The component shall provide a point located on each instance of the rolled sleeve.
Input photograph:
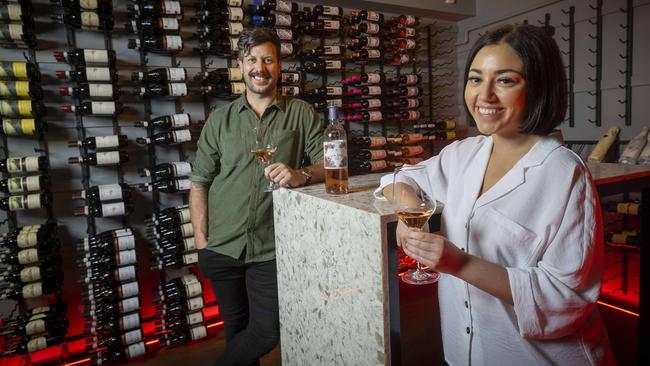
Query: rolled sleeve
(553, 299)
(207, 164)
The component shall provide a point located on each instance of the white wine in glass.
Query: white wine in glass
(263, 147)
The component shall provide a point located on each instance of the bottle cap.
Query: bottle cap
(61, 74)
(134, 43)
(137, 76)
(67, 108)
(331, 112)
(60, 56)
(64, 90)
(257, 20)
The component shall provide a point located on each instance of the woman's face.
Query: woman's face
(495, 93)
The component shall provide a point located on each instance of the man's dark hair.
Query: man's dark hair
(546, 85)
(252, 37)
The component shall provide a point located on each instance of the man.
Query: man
(231, 214)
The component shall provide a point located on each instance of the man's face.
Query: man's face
(261, 69)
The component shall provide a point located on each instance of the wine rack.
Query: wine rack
(136, 135)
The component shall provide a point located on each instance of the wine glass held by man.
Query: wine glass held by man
(520, 246)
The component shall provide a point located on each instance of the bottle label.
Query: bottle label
(28, 256)
(100, 90)
(290, 90)
(35, 327)
(178, 89)
(336, 154)
(31, 164)
(235, 14)
(235, 28)
(195, 303)
(188, 244)
(409, 151)
(129, 305)
(194, 289)
(194, 318)
(169, 23)
(36, 344)
(372, 28)
(14, 12)
(130, 321)
(27, 240)
(183, 184)
(136, 350)
(378, 165)
(374, 90)
(199, 332)
(334, 90)
(238, 88)
(234, 3)
(24, 184)
(187, 230)
(190, 258)
(373, 78)
(377, 154)
(286, 48)
(15, 31)
(374, 116)
(333, 64)
(180, 120)
(189, 279)
(14, 88)
(332, 50)
(234, 44)
(126, 274)
(331, 10)
(412, 91)
(409, 20)
(93, 56)
(27, 202)
(282, 20)
(113, 209)
(182, 136)
(409, 45)
(408, 32)
(373, 16)
(176, 74)
(284, 34)
(185, 215)
(331, 25)
(173, 43)
(412, 103)
(234, 74)
(290, 78)
(130, 289)
(413, 115)
(126, 257)
(374, 103)
(373, 42)
(13, 70)
(24, 126)
(103, 108)
(89, 20)
(88, 4)
(109, 192)
(131, 337)
(373, 53)
(33, 290)
(108, 158)
(30, 274)
(172, 7)
(107, 142)
(283, 6)
(181, 168)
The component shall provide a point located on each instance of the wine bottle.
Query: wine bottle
(23, 126)
(336, 159)
(365, 167)
(366, 142)
(29, 256)
(17, 35)
(92, 91)
(13, 89)
(121, 274)
(158, 44)
(357, 43)
(624, 208)
(407, 151)
(219, 31)
(26, 202)
(368, 154)
(157, 9)
(364, 56)
(318, 67)
(161, 75)
(322, 27)
(409, 138)
(167, 138)
(163, 90)
(220, 15)
(356, 16)
(29, 236)
(624, 238)
(172, 232)
(175, 261)
(218, 76)
(180, 305)
(168, 185)
(85, 74)
(371, 90)
(281, 6)
(447, 124)
(634, 148)
(82, 57)
(364, 116)
(226, 91)
(32, 183)
(182, 291)
(287, 34)
(94, 108)
(155, 26)
(105, 210)
(370, 103)
(321, 52)
(275, 20)
(172, 215)
(114, 240)
(19, 70)
(103, 193)
(24, 164)
(30, 290)
(185, 336)
(288, 77)
(355, 30)
(113, 309)
(290, 90)
(88, 20)
(104, 158)
(167, 246)
(401, 45)
(118, 354)
(221, 47)
(21, 108)
(101, 142)
(20, 12)
(31, 273)
(178, 322)
(34, 344)
(398, 58)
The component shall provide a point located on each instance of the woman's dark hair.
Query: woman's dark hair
(252, 37)
(546, 85)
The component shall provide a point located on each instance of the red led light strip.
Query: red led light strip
(618, 308)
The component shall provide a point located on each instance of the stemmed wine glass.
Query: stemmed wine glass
(263, 147)
(414, 208)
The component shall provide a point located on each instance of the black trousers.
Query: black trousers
(247, 296)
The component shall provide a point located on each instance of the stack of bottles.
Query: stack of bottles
(180, 305)
(364, 29)
(107, 152)
(174, 130)
(367, 154)
(219, 26)
(401, 40)
(156, 23)
(443, 130)
(21, 106)
(36, 329)
(169, 177)
(283, 16)
(104, 200)
(322, 22)
(95, 75)
(222, 83)
(111, 296)
(168, 82)
(17, 24)
(96, 15)
(290, 83)
(31, 269)
(404, 149)
(27, 184)
(171, 236)
(623, 222)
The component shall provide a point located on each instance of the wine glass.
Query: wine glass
(263, 147)
(414, 208)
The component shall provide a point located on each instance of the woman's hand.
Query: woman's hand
(432, 250)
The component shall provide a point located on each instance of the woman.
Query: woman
(520, 250)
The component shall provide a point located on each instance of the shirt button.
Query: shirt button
(467, 330)
(466, 304)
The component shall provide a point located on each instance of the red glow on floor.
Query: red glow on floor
(214, 324)
(77, 362)
(618, 308)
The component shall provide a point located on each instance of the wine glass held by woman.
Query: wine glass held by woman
(520, 247)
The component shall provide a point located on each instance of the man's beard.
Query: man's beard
(260, 90)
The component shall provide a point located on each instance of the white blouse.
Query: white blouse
(543, 223)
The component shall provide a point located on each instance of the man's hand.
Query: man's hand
(283, 175)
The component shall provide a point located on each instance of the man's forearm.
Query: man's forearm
(199, 214)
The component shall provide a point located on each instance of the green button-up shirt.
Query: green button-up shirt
(240, 213)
